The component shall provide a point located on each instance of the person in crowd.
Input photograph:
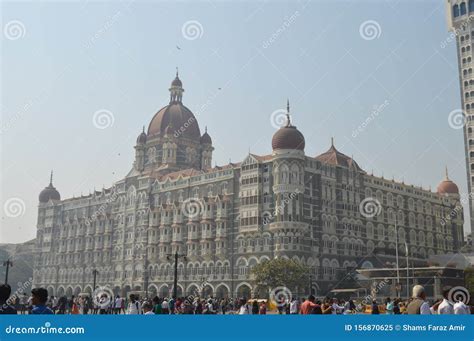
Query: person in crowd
(317, 310)
(396, 306)
(133, 306)
(389, 306)
(156, 305)
(308, 305)
(244, 307)
(62, 303)
(165, 308)
(147, 308)
(326, 308)
(198, 306)
(294, 306)
(255, 307)
(5, 306)
(172, 304)
(349, 307)
(117, 304)
(460, 308)
(223, 305)
(375, 308)
(418, 305)
(262, 310)
(444, 307)
(210, 307)
(336, 308)
(39, 298)
(23, 303)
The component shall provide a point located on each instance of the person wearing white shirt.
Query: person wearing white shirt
(445, 307)
(418, 305)
(133, 306)
(336, 308)
(294, 306)
(147, 308)
(460, 308)
(244, 308)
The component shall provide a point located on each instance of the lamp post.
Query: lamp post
(94, 273)
(408, 280)
(175, 284)
(397, 288)
(7, 263)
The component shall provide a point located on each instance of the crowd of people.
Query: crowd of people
(40, 303)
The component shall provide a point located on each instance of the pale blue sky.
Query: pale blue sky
(76, 58)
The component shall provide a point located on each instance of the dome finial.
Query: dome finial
(51, 178)
(177, 72)
(332, 141)
(446, 171)
(143, 129)
(288, 121)
(205, 128)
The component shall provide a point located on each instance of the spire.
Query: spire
(143, 129)
(51, 178)
(332, 141)
(177, 72)
(288, 121)
(205, 128)
(446, 170)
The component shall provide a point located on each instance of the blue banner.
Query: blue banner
(235, 327)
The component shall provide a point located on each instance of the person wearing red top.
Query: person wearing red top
(308, 305)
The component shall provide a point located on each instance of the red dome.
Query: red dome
(288, 138)
(447, 187)
(177, 116)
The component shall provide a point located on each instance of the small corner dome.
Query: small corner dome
(141, 139)
(206, 138)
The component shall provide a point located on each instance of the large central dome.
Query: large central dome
(179, 120)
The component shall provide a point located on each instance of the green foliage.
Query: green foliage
(280, 273)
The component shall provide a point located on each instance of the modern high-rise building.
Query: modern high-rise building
(460, 18)
(323, 211)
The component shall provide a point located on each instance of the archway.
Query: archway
(222, 291)
(50, 291)
(164, 291)
(69, 292)
(193, 290)
(207, 291)
(152, 290)
(77, 291)
(244, 291)
(60, 292)
(126, 290)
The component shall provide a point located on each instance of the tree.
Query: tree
(279, 272)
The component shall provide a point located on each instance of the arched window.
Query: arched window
(471, 5)
(462, 8)
(455, 11)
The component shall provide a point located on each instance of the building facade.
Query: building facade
(324, 211)
(460, 18)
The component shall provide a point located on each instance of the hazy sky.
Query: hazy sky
(335, 61)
